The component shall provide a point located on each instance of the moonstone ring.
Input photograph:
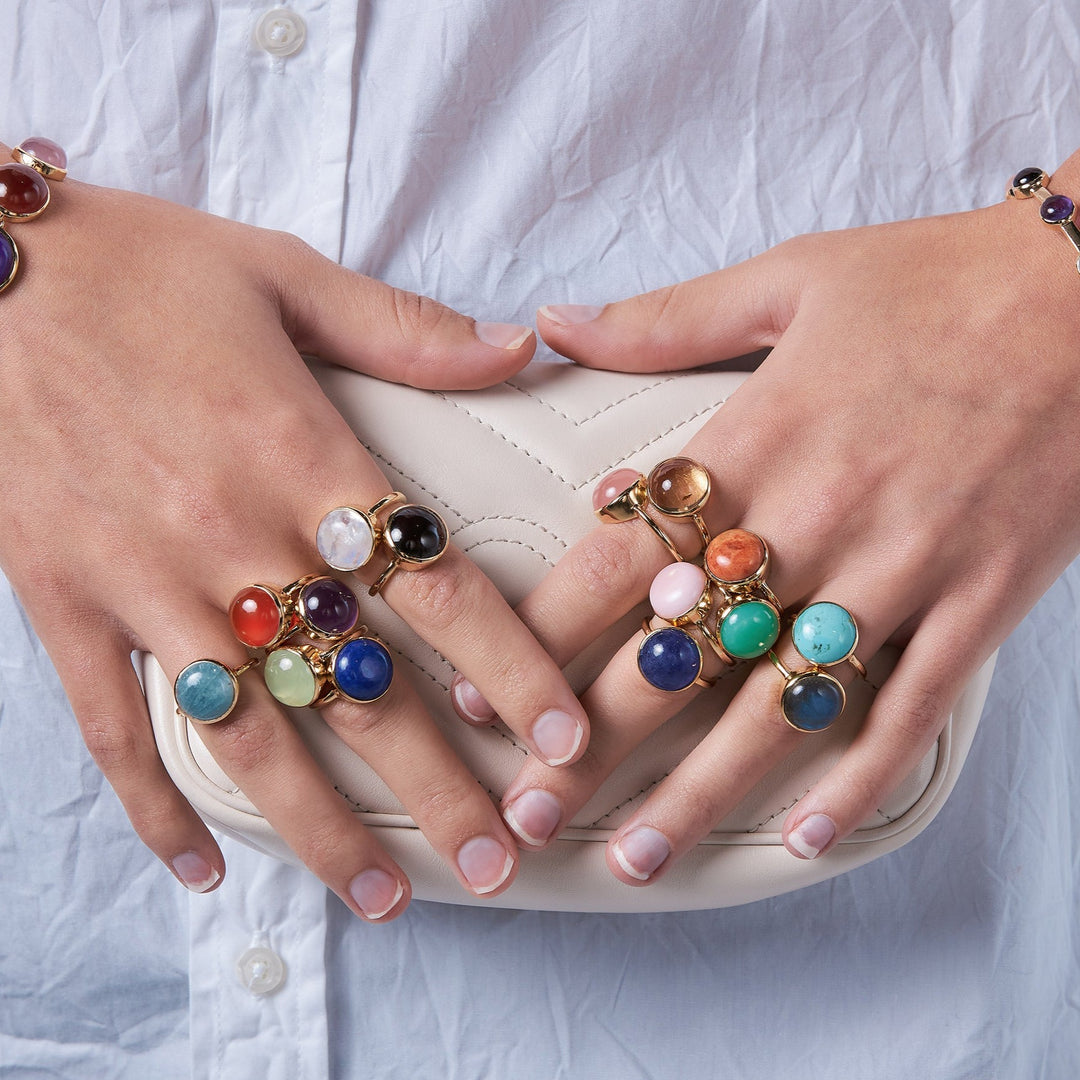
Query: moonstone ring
(347, 537)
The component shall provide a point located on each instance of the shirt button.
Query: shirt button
(261, 970)
(280, 32)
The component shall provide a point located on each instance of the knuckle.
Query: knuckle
(442, 803)
(585, 775)
(420, 323)
(437, 593)
(603, 562)
(699, 810)
(151, 819)
(242, 745)
(365, 723)
(919, 716)
(114, 747)
(319, 844)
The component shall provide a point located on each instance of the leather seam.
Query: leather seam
(547, 468)
(600, 412)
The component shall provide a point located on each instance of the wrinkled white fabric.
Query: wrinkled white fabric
(501, 156)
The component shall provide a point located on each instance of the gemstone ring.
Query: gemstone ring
(670, 659)
(359, 668)
(810, 700)
(262, 616)
(676, 487)
(826, 634)
(416, 537)
(347, 537)
(206, 691)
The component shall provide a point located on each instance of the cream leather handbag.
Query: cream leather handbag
(512, 469)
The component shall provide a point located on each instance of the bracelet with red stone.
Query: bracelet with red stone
(24, 194)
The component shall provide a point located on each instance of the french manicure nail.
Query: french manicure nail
(195, 872)
(375, 892)
(812, 835)
(557, 736)
(571, 314)
(640, 851)
(485, 863)
(470, 702)
(501, 334)
(533, 816)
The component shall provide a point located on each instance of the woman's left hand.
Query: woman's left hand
(910, 449)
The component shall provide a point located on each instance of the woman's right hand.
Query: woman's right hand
(165, 445)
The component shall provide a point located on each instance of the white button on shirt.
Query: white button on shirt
(498, 157)
(280, 32)
(260, 970)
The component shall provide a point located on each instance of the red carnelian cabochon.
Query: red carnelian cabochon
(255, 617)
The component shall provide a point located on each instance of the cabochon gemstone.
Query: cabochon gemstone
(205, 691)
(678, 486)
(669, 659)
(9, 258)
(363, 669)
(329, 607)
(677, 589)
(612, 486)
(749, 629)
(345, 539)
(45, 150)
(812, 701)
(1057, 209)
(734, 556)
(289, 678)
(824, 633)
(23, 192)
(255, 617)
(416, 533)
(1027, 180)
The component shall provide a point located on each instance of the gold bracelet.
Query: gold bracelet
(1054, 209)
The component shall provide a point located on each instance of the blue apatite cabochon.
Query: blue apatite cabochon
(669, 659)
(824, 633)
(363, 669)
(205, 691)
(812, 702)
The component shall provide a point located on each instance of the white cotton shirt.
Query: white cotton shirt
(498, 157)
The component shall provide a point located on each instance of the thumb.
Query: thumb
(718, 316)
(358, 322)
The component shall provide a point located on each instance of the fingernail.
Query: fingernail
(812, 835)
(470, 702)
(485, 863)
(375, 892)
(570, 314)
(557, 735)
(502, 335)
(195, 872)
(641, 851)
(533, 816)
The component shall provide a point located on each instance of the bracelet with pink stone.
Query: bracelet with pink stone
(24, 194)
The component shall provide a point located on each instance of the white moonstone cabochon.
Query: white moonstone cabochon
(344, 538)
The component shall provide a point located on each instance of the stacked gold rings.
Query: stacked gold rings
(727, 602)
(358, 667)
(676, 488)
(415, 536)
(824, 634)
